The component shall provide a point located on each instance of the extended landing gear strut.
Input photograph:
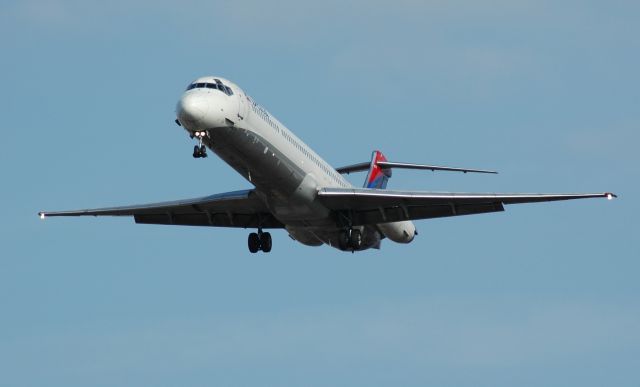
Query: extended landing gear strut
(350, 239)
(259, 241)
(199, 150)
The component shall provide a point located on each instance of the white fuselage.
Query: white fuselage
(286, 172)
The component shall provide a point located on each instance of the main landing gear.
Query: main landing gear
(259, 241)
(350, 239)
(200, 150)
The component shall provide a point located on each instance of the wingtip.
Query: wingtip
(482, 171)
(477, 171)
(610, 195)
(42, 215)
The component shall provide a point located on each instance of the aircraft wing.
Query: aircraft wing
(231, 209)
(372, 206)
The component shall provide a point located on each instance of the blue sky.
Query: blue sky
(546, 92)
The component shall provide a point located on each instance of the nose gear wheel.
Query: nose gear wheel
(200, 150)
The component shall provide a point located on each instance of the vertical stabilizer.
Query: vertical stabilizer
(377, 177)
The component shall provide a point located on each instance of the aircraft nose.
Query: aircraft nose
(192, 108)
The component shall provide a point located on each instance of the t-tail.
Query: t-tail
(380, 169)
(377, 176)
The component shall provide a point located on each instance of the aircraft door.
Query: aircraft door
(242, 106)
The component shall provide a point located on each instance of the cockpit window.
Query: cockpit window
(206, 85)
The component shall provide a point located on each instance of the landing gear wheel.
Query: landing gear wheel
(356, 239)
(254, 242)
(199, 150)
(343, 240)
(265, 242)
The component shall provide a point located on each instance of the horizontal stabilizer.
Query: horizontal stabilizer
(390, 164)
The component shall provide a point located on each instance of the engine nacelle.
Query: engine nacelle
(399, 232)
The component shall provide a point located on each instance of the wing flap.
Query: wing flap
(228, 219)
(413, 212)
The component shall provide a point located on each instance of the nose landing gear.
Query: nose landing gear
(259, 241)
(200, 150)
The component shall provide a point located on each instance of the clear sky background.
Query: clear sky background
(546, 92)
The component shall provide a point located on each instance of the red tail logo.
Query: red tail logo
(377, 177)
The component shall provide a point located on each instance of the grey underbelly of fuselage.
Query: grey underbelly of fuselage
(287, 190)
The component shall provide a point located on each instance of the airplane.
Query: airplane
(294, 188)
